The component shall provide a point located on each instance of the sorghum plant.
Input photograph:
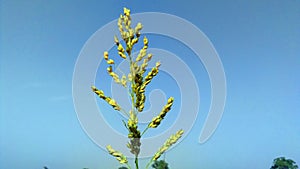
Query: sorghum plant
(135, 82)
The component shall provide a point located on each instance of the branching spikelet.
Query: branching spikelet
(120, 24)
(121, 51)
(125, 21)
(145, 63)
(109, 69)
(152, 73)
(156, 120)
(170, 141)
(120, 48)
(140, 102)
(115, 77)
(127, 18)
(119, 156)
(140, 85)
(140, 98)
(134, 41)
(128, 34)
(109, 61)
(131, 33)
(122, 55)
(143, 51)
(109, 100)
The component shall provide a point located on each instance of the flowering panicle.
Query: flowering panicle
(137, 79)
(143, 51)
(108, 61)
(109, 100)
(145, 63)
(152, 73)
(170, 141)
(141, 86)
(156, 120)
(129, 35)
(109, 69)
(119, 156)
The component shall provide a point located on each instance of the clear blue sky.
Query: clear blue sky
(257, 41)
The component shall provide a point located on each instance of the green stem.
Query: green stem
(136, 162)
(144, 131)
(147, 166)
(124, 112)
(132, 82)
(128, 166)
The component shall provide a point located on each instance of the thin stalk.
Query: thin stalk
(147, 166)
(128, 166)
(136, 162)
(132, 71)
(144, 131)
(124, 112)
(132, 82)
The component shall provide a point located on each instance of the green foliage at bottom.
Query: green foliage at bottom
(160, 165)
(283, 163)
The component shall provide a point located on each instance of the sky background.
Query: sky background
(258, 43)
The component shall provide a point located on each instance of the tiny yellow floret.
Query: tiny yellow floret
(110, 61)
(105, 55)
(126, 12)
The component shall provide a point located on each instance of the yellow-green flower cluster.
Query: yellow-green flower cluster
(132, 126)
(140, 85)
(128, 34)
(131, 37)
(150, 76)
(119, 156)
(143, 51)
(109, 100)
(145, 63)
(156, 120)
(116, 78)
(172, 140)
(120, 48)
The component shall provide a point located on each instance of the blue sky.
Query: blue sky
(258, 43)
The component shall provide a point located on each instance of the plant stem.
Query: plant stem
(144, 131)
(128, 166)
(136, 162)
(147, 166)
(132, 82)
